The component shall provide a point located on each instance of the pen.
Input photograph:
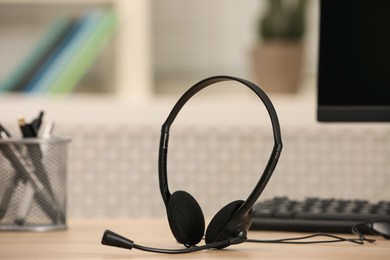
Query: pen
(6, 133)
(26, 129)
(36, 124)
(7, 195)
(25, 204)
(22, 170)
(28, 195)
(48, 130)
(31, 131)
(20, 165)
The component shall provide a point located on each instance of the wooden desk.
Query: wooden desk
(82, 241)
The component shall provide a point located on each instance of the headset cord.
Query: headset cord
(335, 239)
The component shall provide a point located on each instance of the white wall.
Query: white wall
(198, 38)
(194, 37)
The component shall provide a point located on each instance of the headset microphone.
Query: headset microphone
(113, 239)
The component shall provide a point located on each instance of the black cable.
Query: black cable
(359, 240)
(183, 250)
(110, 238)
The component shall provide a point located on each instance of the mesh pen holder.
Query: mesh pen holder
(33, 184)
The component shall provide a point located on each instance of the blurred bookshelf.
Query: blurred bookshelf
(125, 80)
(121, 68)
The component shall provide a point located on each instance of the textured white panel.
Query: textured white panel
(113, 172)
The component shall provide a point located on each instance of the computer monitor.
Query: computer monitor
(354, 61)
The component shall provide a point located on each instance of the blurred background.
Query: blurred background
(115, 99)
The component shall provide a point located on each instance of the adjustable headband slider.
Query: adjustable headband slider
(165, 138)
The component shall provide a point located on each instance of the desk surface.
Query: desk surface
(82, 241)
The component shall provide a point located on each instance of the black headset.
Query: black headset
(230, 225)
(184, 213)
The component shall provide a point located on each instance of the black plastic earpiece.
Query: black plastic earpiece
(185, 218)
(216, 229)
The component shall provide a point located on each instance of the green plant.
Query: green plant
(284, 20)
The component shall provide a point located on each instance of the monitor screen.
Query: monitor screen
(354, 61)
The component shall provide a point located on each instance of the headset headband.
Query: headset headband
(269, 168)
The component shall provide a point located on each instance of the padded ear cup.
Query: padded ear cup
(185, 218)
(220, 220)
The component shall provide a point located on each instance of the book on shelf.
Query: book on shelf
(64, 54)
(38, 56)
(52, 56)
(85, 52)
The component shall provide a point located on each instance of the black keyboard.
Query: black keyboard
(316, 214)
